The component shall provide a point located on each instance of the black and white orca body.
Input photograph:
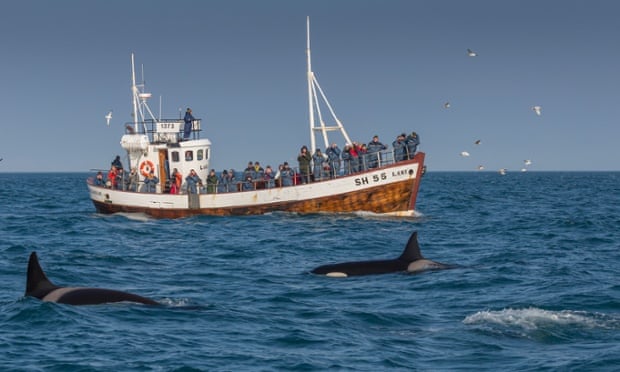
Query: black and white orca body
(39, 286)
(411, 261)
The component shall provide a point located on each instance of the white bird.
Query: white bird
(481, 167)
(446, 105)
(502, 171)
(471, 53)
(108, 117)
(464, 154)
(477, 142)
(527, 162)
(537, 110)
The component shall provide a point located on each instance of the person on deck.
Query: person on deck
(117, 162)
(269, 177)
(150, 182)
(232, 181)
(400, 148)
(317, 160)
(413, 140)
(259, 172)
(131, 181)
(211, 182)
(193, 182)
(286, 174)
(374, 152)
(189, 120)
(333, 157)
(222, 183)
(111, 183)
(304, 159)
(99, 179)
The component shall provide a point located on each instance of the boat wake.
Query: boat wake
(140, 217)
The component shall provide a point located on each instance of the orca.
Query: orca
(39, 286)
(410, 261)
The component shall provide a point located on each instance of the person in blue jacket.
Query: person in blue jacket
(193, 182)
(400, 148)
(333, 158)
(150, 182)
(222, 185)
(287, 175)
(413, 140)
(374, 152)
(346, 159)
(188, 119)
(317, 160)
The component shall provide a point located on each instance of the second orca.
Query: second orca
(39, 286)
(410, 261)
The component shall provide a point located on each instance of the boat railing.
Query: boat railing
(165, 130)
(327, 171)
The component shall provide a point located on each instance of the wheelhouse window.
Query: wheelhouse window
(199, 155)
(206, 153)
(175, 156)
(189, 155)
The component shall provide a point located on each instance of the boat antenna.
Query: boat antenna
(134, 91)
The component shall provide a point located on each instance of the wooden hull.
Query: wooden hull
(390, 190)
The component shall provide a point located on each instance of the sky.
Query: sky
(387, 67)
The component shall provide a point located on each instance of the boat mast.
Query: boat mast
(310, 80)
(313, 104)
(139, 100)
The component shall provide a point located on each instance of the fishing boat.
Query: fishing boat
(383, 183)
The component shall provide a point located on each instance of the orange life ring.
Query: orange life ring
(146, 167)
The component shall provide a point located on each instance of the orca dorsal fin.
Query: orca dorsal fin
(37, 283)
(412, 249)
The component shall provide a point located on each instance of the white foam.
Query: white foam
(533, 318)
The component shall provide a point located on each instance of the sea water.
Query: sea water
(537, 288)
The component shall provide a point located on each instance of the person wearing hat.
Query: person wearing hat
(222, 184)
(286, 174)
(189, 119)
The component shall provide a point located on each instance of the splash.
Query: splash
(535, 319)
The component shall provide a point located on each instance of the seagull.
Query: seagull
(537, 110)
(108, 117)
(480, 167)
(471, 53)
(464, 154)
(477, 142)
(502, 171)
(527, 162)
(446, 105)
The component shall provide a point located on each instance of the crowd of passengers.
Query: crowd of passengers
(315, 167)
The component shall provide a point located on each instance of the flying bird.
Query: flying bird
(537, 110)
(446, 105)
(108, 117)
(471, 53)
(481, 167)
(527, 162)
(477, 142)
(464, 154)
